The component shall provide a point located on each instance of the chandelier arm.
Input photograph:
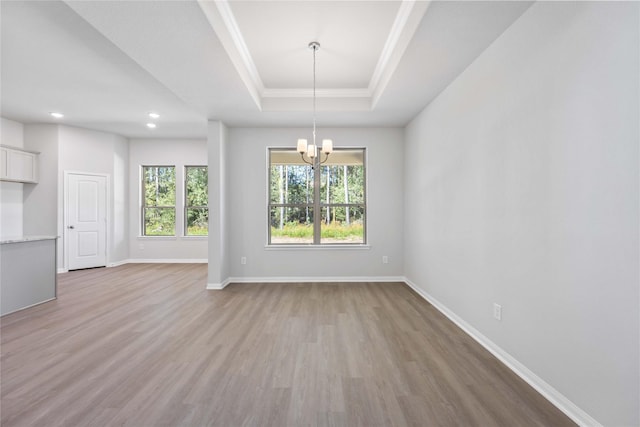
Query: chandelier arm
(303, 159)
(325, 159)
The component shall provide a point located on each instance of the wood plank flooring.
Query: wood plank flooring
(147, 345)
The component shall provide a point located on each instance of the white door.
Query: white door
(86, 221)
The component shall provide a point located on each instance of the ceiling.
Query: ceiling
(107, 64)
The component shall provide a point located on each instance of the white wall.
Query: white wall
(11, 133)
(247, 225)
(94, 152)
(522, 189)
(148, 152)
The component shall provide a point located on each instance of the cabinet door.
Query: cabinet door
(22, 166)
(3, 163)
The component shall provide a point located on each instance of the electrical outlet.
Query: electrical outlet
(385, 259)
(243, 260)
(497, 311)
(141, 246)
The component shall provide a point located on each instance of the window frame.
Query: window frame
(317, 205)
(186, 206)
(144, 206)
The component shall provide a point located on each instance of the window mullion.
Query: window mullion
(317, 213)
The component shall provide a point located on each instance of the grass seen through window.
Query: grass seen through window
(334, 232)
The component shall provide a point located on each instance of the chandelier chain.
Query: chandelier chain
(312, 151)
(314, 94)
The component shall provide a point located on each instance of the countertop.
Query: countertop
(22, 239)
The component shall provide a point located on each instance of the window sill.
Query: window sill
(312, 247)
(173, 237)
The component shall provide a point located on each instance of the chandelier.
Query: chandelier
(309, 152)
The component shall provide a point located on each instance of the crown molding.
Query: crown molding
(222, 20)
(392, 40)
(300, 104)
(404, 26)
(224, 24)
(320, 93)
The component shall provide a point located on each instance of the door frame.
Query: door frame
(65, 210)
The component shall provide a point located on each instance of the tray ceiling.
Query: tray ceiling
(106, 64)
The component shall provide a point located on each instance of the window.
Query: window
(196, 212)
(159, 200)
(323, 206)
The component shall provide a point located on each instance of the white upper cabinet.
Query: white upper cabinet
(18, 165)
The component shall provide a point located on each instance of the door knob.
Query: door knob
(71, 227)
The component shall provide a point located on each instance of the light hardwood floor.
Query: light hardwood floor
(147, 345)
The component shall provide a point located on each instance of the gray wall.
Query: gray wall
(89, 151)
(11, 133)
(217, 146)
(521, 188)
(179, 153)
(67, 148)
(247, 225)
(40, 201)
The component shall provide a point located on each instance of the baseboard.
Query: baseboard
(118, 263)
(314, 279)
(148, 261)
(32, 305)
(547, 391)
(111, 264)
(166, 261)
(218, 286)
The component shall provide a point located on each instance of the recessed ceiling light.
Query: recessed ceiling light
(154, 115)
(151, 125)
(56, 115)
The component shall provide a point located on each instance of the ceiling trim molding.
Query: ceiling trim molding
(404, 26)
(224, 24)
(232, 26)
(392, 40)
(320, 93)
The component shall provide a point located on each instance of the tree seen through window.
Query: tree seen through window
(158, 210)
(333, 213)
(197, 201)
